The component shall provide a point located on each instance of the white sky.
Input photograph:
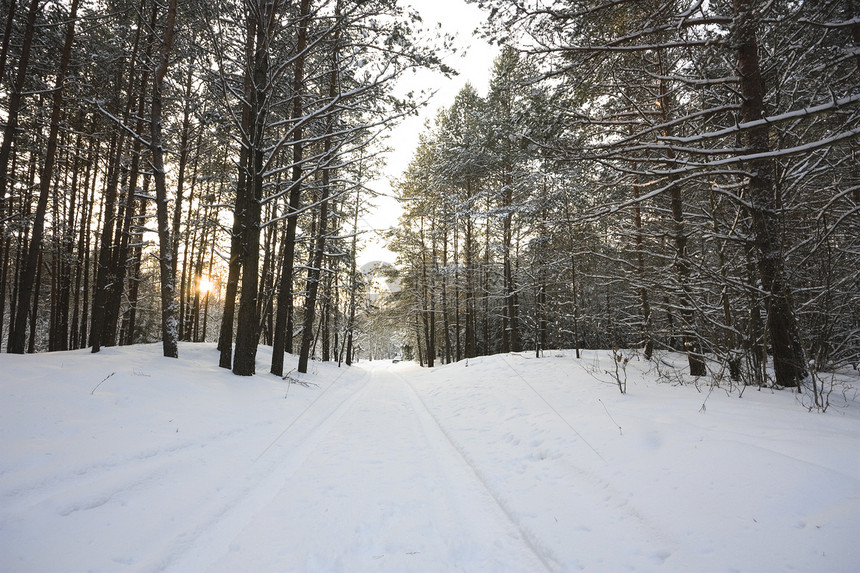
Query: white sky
(473, 61)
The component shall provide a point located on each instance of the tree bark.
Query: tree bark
(353, 279)
(15, 97)
(169, 332)
(788, 354)
(314, 279)
(244, 358)
(102, 330)
(28, 277)
(315, 271)
(283, 335)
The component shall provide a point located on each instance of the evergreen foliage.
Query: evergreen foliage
(660, 174)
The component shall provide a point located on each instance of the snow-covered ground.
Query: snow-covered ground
(127, 461)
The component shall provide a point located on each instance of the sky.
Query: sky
(473, 61)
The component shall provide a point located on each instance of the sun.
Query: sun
(205, 285)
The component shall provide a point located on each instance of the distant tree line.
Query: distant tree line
(171, 169)
(661, 174)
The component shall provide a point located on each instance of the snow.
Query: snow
(128, 461)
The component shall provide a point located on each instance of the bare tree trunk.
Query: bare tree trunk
(325, 323)
(511, 334)
(234, 268)
(283, 336)
(15, 97)
(183, 163)
(426, 304)
(121, 261)
(314, 280)
(207, 297)
(353, 279)
(691, 343)
(788, 353)
(102, 330)
(130, 318)
(457, 342)
(648, 342)
(31, 344)
(25, 293)
(470, 310)
(237, 236)
(21, 247)
(66, 258)
(446, 327)
(169, 332)
(244, 358)
(731, 341)
(319, 251)
(88, 254)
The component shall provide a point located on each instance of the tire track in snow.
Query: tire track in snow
(445, 447)
(382, 491)
(199, 547)
(19, 496)
(594, 494)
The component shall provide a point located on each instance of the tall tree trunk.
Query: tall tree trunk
(103, 328)
(457, 341)
(86, 239)
(31, 345)
(325, 319)
(283, 336)
(169, 332)
(488, 347)
(647, 341)
(234, 268)
(426, 303)
(470, 310)
(103, 270)
(314, 279)
(25, 293)
(730, 337)
(237, 236)
(446, 327)
(17, 92)
(245, 354)
(266, 287)
(691, 343)
(207, 297)
(77, 202)
(574, 281)
(21, 247)
(121, 260)
(353, 278)
(130, 318)
(319, 250)
(511, 334)
(789, 360)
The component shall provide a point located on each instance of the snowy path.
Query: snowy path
(351, 475)
(127, 461)
(381, 490)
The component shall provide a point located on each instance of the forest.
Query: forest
(655, 175)
(172, 170)
(660, 175)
